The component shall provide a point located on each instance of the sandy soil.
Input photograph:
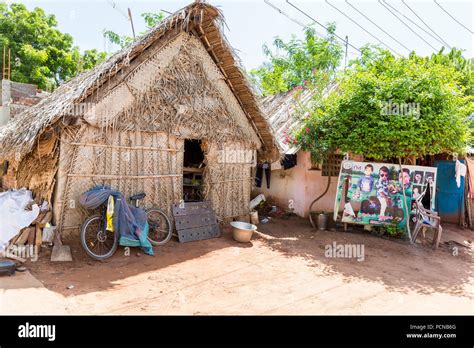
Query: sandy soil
(283, 270)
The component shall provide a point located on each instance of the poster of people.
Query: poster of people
(372, 193)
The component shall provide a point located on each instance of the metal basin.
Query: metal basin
(242, 231)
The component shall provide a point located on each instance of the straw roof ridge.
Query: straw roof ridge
(18, 136)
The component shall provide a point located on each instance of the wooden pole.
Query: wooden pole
(125, 147)
(4, 57)
(9, 61)
(119, 177)
(131, 21)
(345, 58)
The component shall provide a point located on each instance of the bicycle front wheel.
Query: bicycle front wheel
(98, 243)
(160, 228)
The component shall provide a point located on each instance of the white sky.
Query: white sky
(253, 23)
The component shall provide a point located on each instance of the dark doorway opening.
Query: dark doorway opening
(193, 169)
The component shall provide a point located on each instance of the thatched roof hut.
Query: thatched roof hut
(202, 20)
(124, 123)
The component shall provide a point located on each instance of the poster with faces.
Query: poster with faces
(382, 193)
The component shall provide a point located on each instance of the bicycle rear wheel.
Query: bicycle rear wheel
(98, 243)
(160, 228)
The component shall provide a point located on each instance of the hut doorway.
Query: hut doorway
(193, 169)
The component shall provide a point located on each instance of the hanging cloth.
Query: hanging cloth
(461, 170)
(110, 214)
(289, 161)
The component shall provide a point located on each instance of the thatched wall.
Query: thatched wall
(177, 88)
(227, 179)
(128, 161)
(38, 168)
(150, 162)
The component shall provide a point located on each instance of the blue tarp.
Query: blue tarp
(129, 221)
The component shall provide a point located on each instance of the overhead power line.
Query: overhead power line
(381, 2)
(458, 22)
(315, 21)
(285, 14)
(414, 23)
(346, 40)
(440, 38)
(360, 26)
(386, 33)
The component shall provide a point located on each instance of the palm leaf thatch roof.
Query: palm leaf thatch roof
(285, 113)
(19, 136)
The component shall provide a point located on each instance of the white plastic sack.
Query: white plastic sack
(13, 216)
(256, 201)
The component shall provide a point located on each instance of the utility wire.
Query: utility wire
(414, 23)
(360, 26)
(279, 10)
(440, 38)
(414, 32)
(315, 21)
(346, 41)
(285, 14)
(386, 33)
(458, 22)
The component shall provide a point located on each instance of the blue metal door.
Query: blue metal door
(449, 197)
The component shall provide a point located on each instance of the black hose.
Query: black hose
(317, 199)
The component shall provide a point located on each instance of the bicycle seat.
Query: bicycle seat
(138, 196)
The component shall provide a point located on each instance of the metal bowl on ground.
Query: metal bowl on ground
(242, 231)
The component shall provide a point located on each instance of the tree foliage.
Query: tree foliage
(41, 54)
(299, 62)
(151, 19)
(389, 107)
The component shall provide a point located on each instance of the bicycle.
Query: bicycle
(100, 243)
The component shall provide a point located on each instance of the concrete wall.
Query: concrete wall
(16, 97)
(5, 101)
(302, 185)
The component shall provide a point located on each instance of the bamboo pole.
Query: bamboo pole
(118, 177)
(4, 58)
(126, 147)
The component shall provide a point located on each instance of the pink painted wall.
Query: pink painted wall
(302, 185)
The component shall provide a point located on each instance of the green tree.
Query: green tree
(151, 19)
(310, 62)
(41, 54)
(389, 107)
(455, 59)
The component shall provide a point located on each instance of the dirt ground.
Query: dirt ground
(283, 270)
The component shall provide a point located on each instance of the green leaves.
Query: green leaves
(311, 61)
(389, 107)
(40, 53)
(151, 20)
